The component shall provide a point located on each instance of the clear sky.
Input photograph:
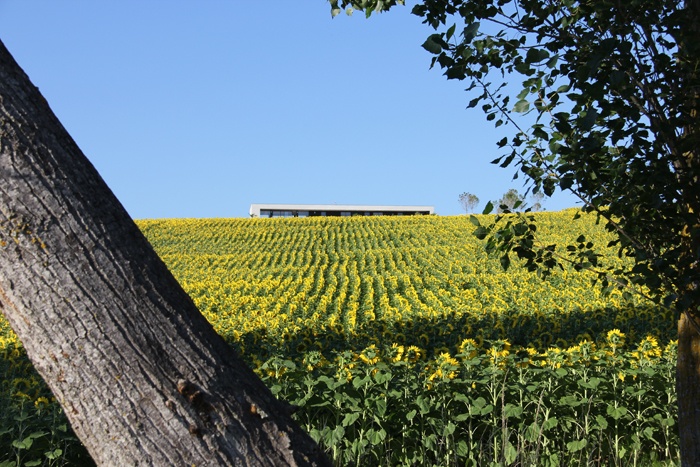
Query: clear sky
(198, 109)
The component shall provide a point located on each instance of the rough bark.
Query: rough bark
(688, 390)
(688, 365)
(142, 376)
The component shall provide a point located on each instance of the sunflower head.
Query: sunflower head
(395, 353)
(649, 349)
(615, 338)
(468, 348)
(413, 354)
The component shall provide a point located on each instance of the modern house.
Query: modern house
(308, 210)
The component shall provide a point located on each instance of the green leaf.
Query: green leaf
(381, 407)
(26, 443)
(536, 55)
(449, 429)
(462, 449)
(552, 62)
(520, 229)
(575, 446)
(479, 406)
(521, 106)
(474, 220)
(410, 415)
(470, 32)
(524, 69)
(602, 422)
(616, 412)
(550, 423)
(511, 410)
(488, 208)
(505, 262)
(531, 432)
(510, 453)
(481, 233)
(430, 441)
(376, 436)
(21, 417)
(350, 418)
(335, 436)
(382, 377)
(586, 123)
(507, 160)
(55, 454)
(451, 31)
(621, 452)
(433, 44)
(538, 132)
(649, 432)
(423, 405)
(359, 382)
(592, 383)
(570, 401)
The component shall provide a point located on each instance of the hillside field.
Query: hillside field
(345, 283)
(405, 344)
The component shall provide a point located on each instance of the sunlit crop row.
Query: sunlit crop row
(334, 283)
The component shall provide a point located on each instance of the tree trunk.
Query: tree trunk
(142, 376)
(688, 366)
(688, 390)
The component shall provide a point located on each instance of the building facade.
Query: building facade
(311, 210)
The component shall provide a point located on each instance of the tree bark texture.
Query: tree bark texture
(144, 379)
(688, 365)
(688, 390)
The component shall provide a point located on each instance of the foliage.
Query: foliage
(361, 321)
(488, 405)
(510, 201)
(33, 429)
(607, 109)
(468, 201)
(368, 6)
(536, 199)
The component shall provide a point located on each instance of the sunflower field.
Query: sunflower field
(403, 343)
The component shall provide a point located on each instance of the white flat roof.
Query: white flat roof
(257, 207)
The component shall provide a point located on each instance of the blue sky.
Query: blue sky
(198, 109)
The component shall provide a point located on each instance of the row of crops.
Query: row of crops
(332, 284)
(403, 343)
